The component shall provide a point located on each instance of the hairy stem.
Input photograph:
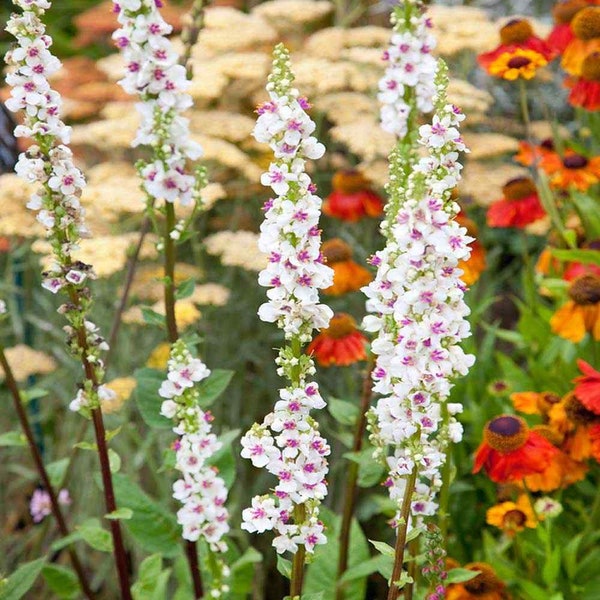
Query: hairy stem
(43, 474)
(190, 33)
(351, 490)
(394, 590)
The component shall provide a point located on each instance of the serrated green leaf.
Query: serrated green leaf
(92, 533)
(147, 399)
(185, 289)
(120, 513)
(152, 317)
(12, 438)
(342, 411)
(21, 581)
(213, 386)
(153, 526)
(62, 581)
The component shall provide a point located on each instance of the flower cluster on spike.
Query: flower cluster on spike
(417, 308)
(288, 443)
(48, 162)
(410, 70)
(153, 73)
(201, 491)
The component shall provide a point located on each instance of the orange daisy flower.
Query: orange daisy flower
(572, 170)
(562, 34)
(562, 470)
(341, 344)
(581, 314)
(519, 207)
(532, 154)
(587, 388)
(474, 266)
(511, 451)
(516, 35)
(578, 442)
(352, 198)
(585, 91)
(348, 276)
(586, 29)
(534, 403)
(512, 517)
(485, 586)
(594, 435)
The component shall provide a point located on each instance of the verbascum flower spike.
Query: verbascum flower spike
(418, 312)
(200, 489)
(288, 443)
(408, 81)
(154, 74)
(49, 163)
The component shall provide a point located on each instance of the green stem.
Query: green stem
(297, 578)
(445, 489)
(394, 590)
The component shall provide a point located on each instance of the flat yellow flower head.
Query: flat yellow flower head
(520, 63)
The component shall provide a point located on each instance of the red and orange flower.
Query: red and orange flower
(486, 585)
(532, 154)
(348, 276)
(585, 90)
(352, 198)
(587, 387)
(562, 34)
(341, 344)
(580, 314)
(519, 207)
(516, 35)
(572, 170)
(586, 30)
(511, 451)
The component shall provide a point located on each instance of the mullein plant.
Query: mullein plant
(48, 162)
(154, 72)
(288, 443)
(416, 306)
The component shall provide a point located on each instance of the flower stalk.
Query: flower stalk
(287, 443)
(36, 455)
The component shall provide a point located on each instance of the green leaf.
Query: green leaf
(185, 289)
(321, 575)
(224, 458)
(366, 568)
(120, 513)
(147, 399)
(284, 566)
(114, 461)
(152, 317)
(587, 207)
(460, 575)
(213, 386)
(533, 591)
(62, 581)
(551, 567)
(86, 446)
(95, 536)
(152, 580)
(20, 582)
(56, 470)
(342, 411)
(154, 527)
(242, 572)
(65, 541)
(370, 472)
(587, 257)
(33, 394)
(12, 438)
(315, 596)
(384, 548)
